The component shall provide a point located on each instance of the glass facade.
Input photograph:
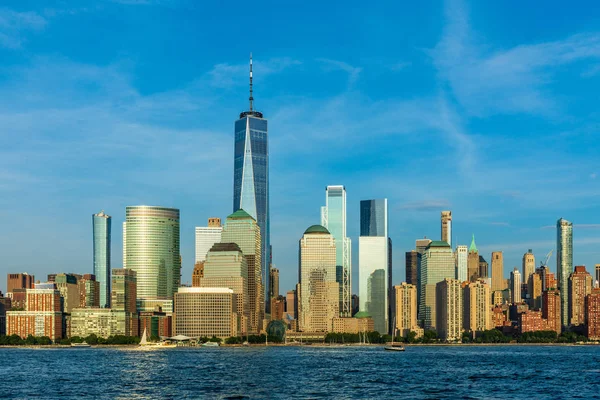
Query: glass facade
(564, 264)
(101, 224)
(251, 179)
(151, 247)
(333, 217)
(374, 262)
(437, 264)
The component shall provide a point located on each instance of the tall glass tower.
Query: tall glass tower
(374, 262)
(101, 231)
(251, 178)
(151, 249)
(564, 264)
(333, 217)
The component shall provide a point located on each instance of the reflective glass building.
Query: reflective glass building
(564, 263)
(251, 176)
(333, 217)
(374, 262)
(151, 248)
(101, 224)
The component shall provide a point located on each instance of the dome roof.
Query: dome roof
(316, 229)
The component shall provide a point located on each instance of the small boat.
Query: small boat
(394, 347)
(210, 344)
(144, 343)
(80, 345)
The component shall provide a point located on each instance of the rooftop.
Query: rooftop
(225, 247)
(438, 243)
(240, 214)
(316, 229)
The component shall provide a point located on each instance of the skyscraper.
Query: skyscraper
(151, 247)
(497, 270)
(206, 237)
(515, 286)
(251, 177)
(473, 262)
(564, 263)
(318, 300)
(477, 307)
(101, 229)
(461, 255)
(124, 301)
(447, 227)
(405, 308)
(241, 228)
(597, 276)
(449, 309)
(528, 265)
(581, 284)
(373, 254)
(420, 246)
(411, 267)
(437, 264)
(333, 217)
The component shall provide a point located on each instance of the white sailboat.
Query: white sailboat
(394, 347)
(149, 345)
(144, 340)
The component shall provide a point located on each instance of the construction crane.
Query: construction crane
(545, 262)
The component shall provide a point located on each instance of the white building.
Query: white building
(515, 286)
(461, 254)
(206, 237)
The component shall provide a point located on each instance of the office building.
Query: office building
(534, 291)
(461, 255)
(437, 264)
(197, 273)
(420, 246)
(446, 219)
(206, 237)
(101, 224)
(202, 311)
(42, 316)
(592, 312)
(528, 265)
(580, 286)
(241, 228)
(291, 304)
(123, 301)
(405, 297)
(483, 268)
(19, 281)
(95, 320)
(477, 308)
(69, 290)
(411, 258)
(497, 270)
(251, 179)
(151, 249)
(473, 262)
(318, 290)
(373, 262)
(564, 263)
(5, 305)
(551, 310)
(358, 324)
(274, 282)
(89, 291)
(515, 286)
(449, 309)
(333, 217)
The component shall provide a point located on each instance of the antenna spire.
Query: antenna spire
(251, 98)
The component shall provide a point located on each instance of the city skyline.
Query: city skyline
(145, 158)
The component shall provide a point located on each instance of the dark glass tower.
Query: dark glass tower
(251, 177)
(101, 231)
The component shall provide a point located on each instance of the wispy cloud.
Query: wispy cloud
(15, 25)
(500, 223)
(332, 65)
(426, 205)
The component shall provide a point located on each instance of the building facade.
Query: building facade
(206, 237)
(477, 307)
(449, 309)
(333, 217)
(497, 270)
(203, 312)
(405, 297)
(19, 281)
(564, 263)
(101, 224)
(580, 286)
(473, 261)
(446, 225)
(592, 312)
(551, 310)
(515, 286)
(411, 258)
(461, 255)
(528, 265)
(42, 316)
(437, 264)
(124, 301)
(151, 248)
(89, 291)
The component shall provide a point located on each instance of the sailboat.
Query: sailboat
(149, 345)
(394, 347)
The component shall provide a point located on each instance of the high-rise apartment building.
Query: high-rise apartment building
(101, 224)
(42, 316)
(446, 219)
(477, 307)
(483, 268)
(420, 246)
(528, 265)
(151, 247)
(592, 312)
(461, 255)
(551, 310)
(333, 217)
(89, 291)
(318, 293)
(69, 290)
(564, 263)
(580, 286)
(251, 178)
(473, 262)
(449, 309)
(274, 282)
(242, 229)
(412, 260)
(373, 262)
(206, 237)
(534, 291)
(405, 308)
(437, 264)
(515, 286)
(497, 270)
(19, 281)
(204, 311)
(123, 301)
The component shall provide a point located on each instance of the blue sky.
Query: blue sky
(489, 109)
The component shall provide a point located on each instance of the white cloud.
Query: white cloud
(15, 25)
(331, 65)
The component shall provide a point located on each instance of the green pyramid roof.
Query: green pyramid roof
(241, 214)
(362, 314)
(316, 229)
(473, 247)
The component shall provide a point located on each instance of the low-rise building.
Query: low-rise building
(202, 311)
(361, 322)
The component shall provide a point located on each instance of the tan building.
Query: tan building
(274, 283)
(534, 291)
(240, 228)
(551, 310)
(318, 291)
(473, 262)
(449, 309)
(205, 312)
(497, 270)
(405, 296)
(528, 265)
(94, 320)
(358, 324)
(446, 218)
(477, 308)
(69, 290)
(197, 273)
(581, 284)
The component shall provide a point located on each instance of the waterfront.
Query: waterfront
(302, 372)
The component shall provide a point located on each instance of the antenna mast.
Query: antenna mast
(251, 98)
